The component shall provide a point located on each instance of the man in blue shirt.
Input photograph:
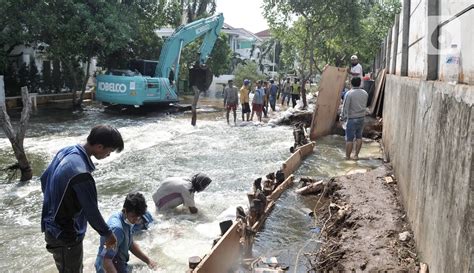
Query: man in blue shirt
(122, 225)
(273, 94)
(70, 198)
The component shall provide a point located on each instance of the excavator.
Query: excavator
(150, 82)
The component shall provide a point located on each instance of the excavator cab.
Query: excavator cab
(200, 76)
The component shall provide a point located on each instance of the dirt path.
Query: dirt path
(363, 222)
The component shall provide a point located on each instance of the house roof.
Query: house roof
(263, 34)
(241, 33)
(227, 26)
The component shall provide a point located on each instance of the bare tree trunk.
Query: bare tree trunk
(69, 67)
(303, 84)
(194, 105)
(78, 104)
(16, 139)
(303, 78)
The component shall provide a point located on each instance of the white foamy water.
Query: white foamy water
(158, 146)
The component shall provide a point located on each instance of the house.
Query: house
(264, 35)
(243, 42)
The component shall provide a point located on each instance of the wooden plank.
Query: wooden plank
(294, 161)
(327, 103)
(273, 198)
(378, 86)
(224, 254)
(379, 108)
(281, 188)
(227, 251)
(259, 224)
(291, 164)
(306, 149)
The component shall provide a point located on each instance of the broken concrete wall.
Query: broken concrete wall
(428, 135)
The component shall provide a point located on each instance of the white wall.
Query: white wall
(400, 42)
(459, 32)
(416, 42)
(217, 83)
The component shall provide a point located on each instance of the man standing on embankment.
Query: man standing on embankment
(353, 111)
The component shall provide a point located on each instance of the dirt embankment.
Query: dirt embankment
(363, 226)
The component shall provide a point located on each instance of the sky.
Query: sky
(243, 14)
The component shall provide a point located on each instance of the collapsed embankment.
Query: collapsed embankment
(363, 225)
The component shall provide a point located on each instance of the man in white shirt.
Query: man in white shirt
(356, 69)
(175, 191)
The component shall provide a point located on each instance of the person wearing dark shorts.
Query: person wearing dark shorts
(258, 99)
(244, 100)
(353, 111)
(231, 98)
(245, 109)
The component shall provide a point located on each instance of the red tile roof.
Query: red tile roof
(263, 33)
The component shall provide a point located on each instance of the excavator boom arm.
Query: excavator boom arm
(171, 53)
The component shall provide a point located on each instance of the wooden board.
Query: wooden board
(281, 188)
(259, 224)
(307, 149)
(379, 108)
(291, 164)
(294, 161)
(379, 83)
(327, 103)
(224, 254)
(273, 198)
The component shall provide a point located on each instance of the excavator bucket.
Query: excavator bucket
(201, 77)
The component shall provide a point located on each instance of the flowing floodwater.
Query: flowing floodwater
(157, 146)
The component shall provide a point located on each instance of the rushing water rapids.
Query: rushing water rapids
(158, 146)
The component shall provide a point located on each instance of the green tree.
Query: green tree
(328, 32)
(379, 17)
(248, 71)
(174, 13)
(221, 55)
(311, 36)
(197, 9)
(219, 60)
(19, 22)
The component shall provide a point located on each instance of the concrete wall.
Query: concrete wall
(428, 134)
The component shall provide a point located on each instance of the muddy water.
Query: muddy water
(158, 146)
(291, 231)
